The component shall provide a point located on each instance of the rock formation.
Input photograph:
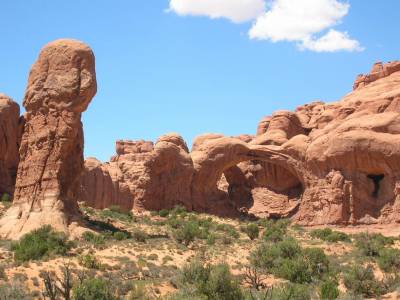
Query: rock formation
(324, 163)
(61, 85)
(335, 163)
(142, 176)
(10, 137)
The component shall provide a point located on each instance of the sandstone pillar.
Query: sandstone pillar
(60, 87)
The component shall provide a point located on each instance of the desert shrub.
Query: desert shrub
(175, 222)
(163, 213)
(211, 281)
(178, 210)
(89, 261)
(40, 243)
(288, 260)
(290, 291)
(389, 260)
(317, 261)
(275, 230)
(116, 212)
(3, 274)
(94, 289)
(139, 235)
(226, 240)
(5, 197)
(294, 269)
(329, 235)
(361, 281)
(96, 239)
(14, 291)
(371, 244)
(229, 229)
(138, 292)
(121, 235)
(187, 233)
(211, 239)
(251, 230)
(152, 256)
(329, 290)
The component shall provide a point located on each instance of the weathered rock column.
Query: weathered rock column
(10, 136)
(61, 85)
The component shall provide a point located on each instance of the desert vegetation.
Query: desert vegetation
(175, 254)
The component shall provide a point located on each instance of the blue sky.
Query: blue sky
(167, 66)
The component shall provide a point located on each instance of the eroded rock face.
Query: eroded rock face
(61, 85)
(324, 163)
(10, 137)
(142, 176)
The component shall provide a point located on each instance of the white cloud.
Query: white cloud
(301, 20)
(294, 20)
(333, 41)
(235, 10)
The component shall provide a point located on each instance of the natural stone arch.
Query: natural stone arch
(212, 157)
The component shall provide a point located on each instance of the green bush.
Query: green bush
(294, 269)
(175, 222)
(389, 260)
(288, 260)
(40, 243)
(94, 238)
(163, 213)
(251, 230)
(291, 291)
(5, 197)
(94, 289)
(317, 261)
(89, 261)
(275, 231)
(116, 212)
(328, 290)
(361, 281)
(14, 291)
(187, 233)
(329, 235)
(211, 281)
(139, 235)
(178, 210)
(371, 244)
(229, 229)
(121, 235)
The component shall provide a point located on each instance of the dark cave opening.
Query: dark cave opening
(376, 179)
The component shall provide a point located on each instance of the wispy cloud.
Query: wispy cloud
(307, 23)
(333, 41)
(236, 11)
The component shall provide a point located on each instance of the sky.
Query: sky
(198, 66)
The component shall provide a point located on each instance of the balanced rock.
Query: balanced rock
(61, 85)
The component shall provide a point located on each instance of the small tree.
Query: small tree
(55, 285)
(254, 278)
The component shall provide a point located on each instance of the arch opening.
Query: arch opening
(261, 188)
